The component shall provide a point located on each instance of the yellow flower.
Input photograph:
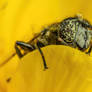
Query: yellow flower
(69, 69)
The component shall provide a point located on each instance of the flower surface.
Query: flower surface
(69, 69)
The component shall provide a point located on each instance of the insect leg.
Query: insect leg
(89, 51)
(25, 46)
(18, 51)
(44, 61)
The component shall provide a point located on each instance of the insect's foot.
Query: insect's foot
(45, 68)
(88, 53)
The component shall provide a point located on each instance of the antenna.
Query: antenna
(7, 60)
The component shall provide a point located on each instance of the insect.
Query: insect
(74, 31)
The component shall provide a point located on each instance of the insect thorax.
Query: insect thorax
(71, 30)
(68, 30)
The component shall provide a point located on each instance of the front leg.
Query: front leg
(27, 48)
(23, 46)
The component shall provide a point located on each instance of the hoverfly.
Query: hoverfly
(75, 32)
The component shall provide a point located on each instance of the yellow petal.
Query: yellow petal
(69, 70)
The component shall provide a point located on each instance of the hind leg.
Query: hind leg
(89, 51)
